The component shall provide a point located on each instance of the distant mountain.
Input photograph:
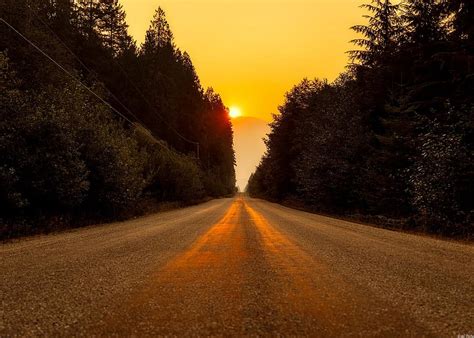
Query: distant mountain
(249, 133)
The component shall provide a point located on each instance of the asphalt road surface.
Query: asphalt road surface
(236, 267)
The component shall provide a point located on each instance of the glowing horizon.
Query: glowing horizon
(253, 51)
(235, 112)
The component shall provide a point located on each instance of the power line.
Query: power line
(197, 144)
(65, 70)
(81, 83)
(91, 72)
(95, 94)
(82, 63)
(151, 106)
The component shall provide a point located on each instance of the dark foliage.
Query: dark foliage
(64, 151)
(393, 136)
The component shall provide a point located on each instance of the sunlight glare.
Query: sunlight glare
(235, 112)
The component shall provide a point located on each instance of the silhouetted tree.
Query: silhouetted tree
(112, 27)
(423, 21)
(380, 35)
(394, 136)
(64, 151)
(463, 12)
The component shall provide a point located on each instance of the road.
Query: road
(236, 267)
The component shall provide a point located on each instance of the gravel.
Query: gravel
(236, 267)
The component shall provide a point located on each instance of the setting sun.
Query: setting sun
(250, 157)
(235, 112)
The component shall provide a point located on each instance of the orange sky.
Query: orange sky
(253, 51)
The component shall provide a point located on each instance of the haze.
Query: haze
(249, 146)
(253, 51)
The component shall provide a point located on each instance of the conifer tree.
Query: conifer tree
(89, 14)
(463, 22)
(159, 34)
(112, 27)
(423, 21)
(380, 34)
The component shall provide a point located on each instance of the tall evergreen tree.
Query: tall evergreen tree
(393, 138)
(463, 22)
(380, 35)
(64, 151)
(113, 28)
(89, 11)
(423, 21)
(159, 34)
(170, 81)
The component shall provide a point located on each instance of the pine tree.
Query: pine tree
(169, 78)
(463, 21)
(89, 13)
(423, 21)
(379, 35)
(112, 26)
(159, 34)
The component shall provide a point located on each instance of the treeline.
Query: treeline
(117, 125)
(392, 138)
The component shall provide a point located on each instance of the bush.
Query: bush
(61, 151)
(173, 177)
(442, 177)
(41, 165)
(110, 153)
(64, 156)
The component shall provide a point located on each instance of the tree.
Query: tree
(423, 21)
(89, 15)
(216, 143)
(113, 28)
(442, 176)
(64, 151)
(158, 67)
(380, 35)
(325, 173)
(463, 25)
(159, 34)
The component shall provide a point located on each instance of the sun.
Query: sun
(235, 112)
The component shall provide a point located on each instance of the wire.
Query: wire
(82, 63)
(81, 83)
(128, 79)
(65, 70)
(95, 94)
(151, 106)
(197, 144)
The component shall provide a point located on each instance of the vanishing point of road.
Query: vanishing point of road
(236, 267)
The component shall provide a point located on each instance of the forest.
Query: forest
(94, 126)
(391, 140)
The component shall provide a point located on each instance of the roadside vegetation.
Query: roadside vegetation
(118, 129)
(391, 140)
